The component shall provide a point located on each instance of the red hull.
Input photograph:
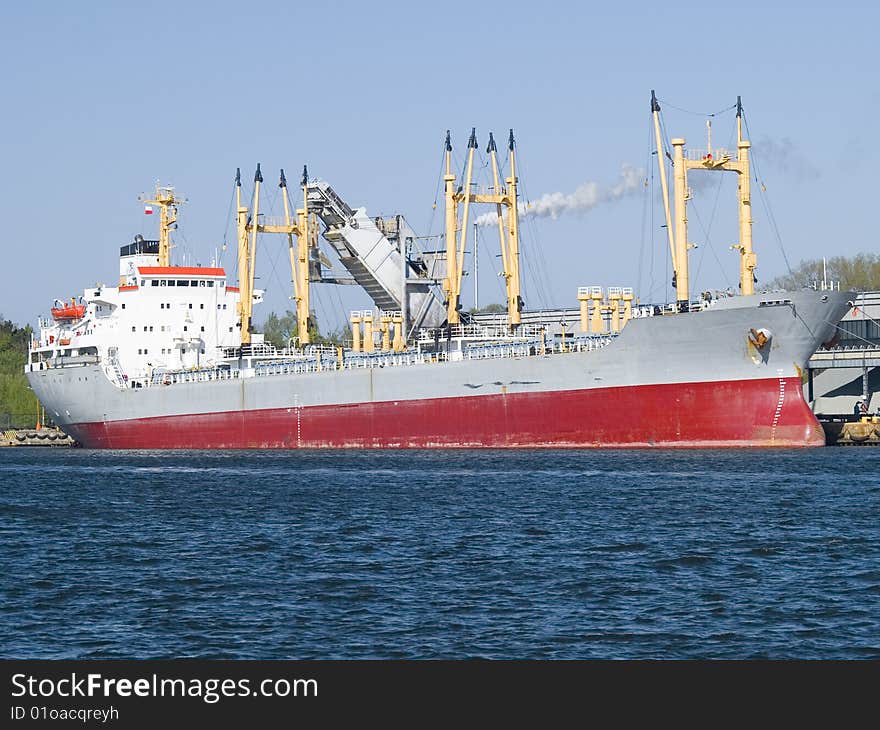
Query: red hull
(769, 412)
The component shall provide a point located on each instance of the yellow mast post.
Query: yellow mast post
(385, 327)
(596, 322)
(245, 301)
(514, 301)
(661, 164)
(451, 236)
(299, 257)
(356, 331)
(167, 202)
(466, 194)
(748, 260)
(615, 293)
(369, 340)
(258, 178)
(680, 278)
(291, 251)
(304, 311)
(583, 296)
(627, 305)
(399, 344)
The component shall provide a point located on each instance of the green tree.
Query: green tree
(860, 272)
(280, 331)
(490, 309)
(18, 405)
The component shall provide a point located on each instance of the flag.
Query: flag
(148, 210)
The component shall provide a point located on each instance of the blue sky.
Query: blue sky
(103, 99)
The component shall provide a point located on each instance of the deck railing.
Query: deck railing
(324, 362)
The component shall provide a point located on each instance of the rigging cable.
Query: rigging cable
(538, 272)
(226, 227)
(708, 230)
(437, 190)
(698, 114)
(642, 230)
(765, 201)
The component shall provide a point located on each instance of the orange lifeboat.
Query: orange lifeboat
(72, 311)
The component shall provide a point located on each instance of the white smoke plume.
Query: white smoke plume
(585, 197)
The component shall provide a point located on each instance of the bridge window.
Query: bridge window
(154, 282)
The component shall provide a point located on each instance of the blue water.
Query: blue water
(419, 554)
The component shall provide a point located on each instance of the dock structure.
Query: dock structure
(862, 432)
(35, 437)
(846, 371)
(843, 377)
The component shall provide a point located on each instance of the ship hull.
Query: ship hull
(751, 413)
(687, 380)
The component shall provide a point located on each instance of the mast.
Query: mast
(504, 200)
(258, 179)
(451, 235)
(748, 260)
(245, 300)
(514, 301)
(661, 164)
(303, 303)
(299, 257)
(459, 264)
(249, 227)
(167, 202)
(714, 159)
(680, 278)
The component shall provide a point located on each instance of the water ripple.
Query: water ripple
(425, 554)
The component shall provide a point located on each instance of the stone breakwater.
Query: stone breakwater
(34, 437)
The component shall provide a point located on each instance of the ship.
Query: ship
(168, 357)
